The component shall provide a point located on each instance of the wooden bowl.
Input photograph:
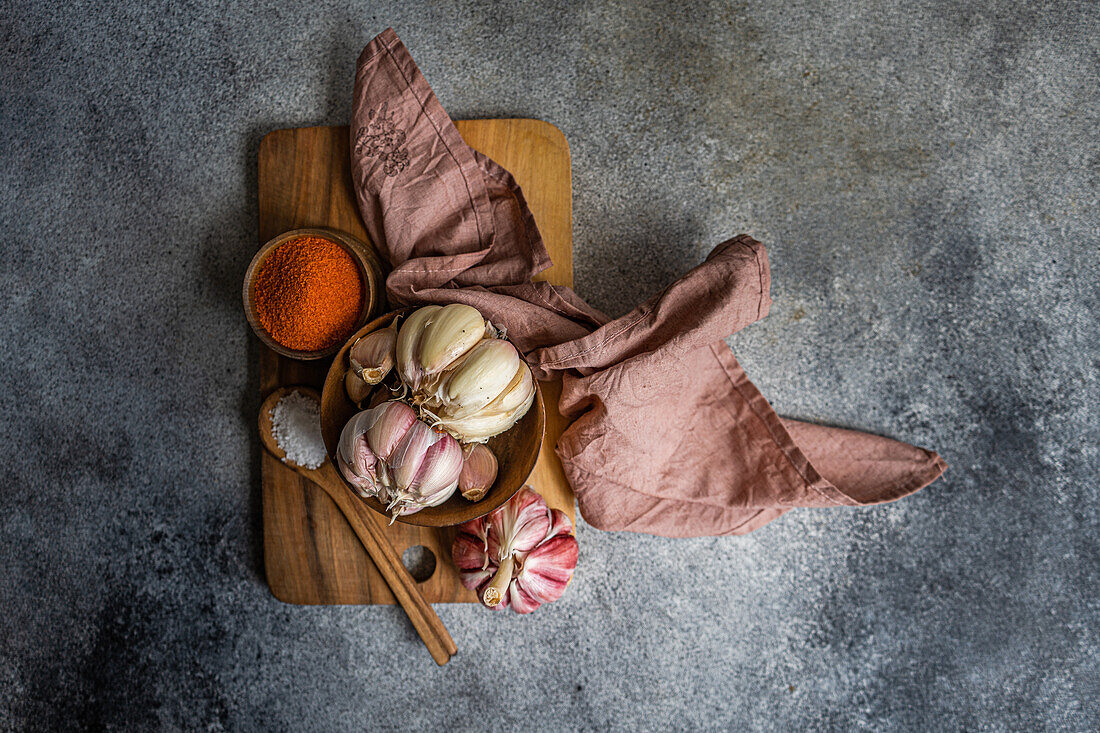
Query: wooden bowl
(516, 449)
(370, 270)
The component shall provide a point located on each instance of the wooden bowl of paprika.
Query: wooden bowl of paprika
(307, 290)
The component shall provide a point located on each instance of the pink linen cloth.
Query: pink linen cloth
(668, 435)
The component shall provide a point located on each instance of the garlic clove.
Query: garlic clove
(479, 528)
(408, 340)
(440, 496)
(408, 455)
(469, 557)
(412, 503)
(474, 579)
(529, 529)
(519, 525)
(357, 389)
(548, 568)
(356, 426)
(479, 471)
(478, 429)
(364, 485)
(392, 420)
(362, 459)
(439, 472)
(373, 355)
(449, 333)
(519, 392)
(481, 376)
(560, 523)
(468, 554)
(521, 601)
(355, 459)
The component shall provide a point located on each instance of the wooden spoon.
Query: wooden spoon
(427, 624)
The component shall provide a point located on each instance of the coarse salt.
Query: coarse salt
(296, 425)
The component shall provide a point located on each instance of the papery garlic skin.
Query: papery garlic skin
(546, 572)
(519, 556)
(386, 452)
(469, 554)
(479, 471)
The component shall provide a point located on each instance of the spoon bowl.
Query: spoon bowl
(267, 432)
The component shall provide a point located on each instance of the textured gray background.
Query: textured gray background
(925, 176)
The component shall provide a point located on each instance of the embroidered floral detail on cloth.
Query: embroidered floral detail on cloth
(383, 139)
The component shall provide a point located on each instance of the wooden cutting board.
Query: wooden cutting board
(310, 553)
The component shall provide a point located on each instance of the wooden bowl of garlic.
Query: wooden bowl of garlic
(481, 397)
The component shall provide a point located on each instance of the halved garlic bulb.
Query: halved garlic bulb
(462, 377)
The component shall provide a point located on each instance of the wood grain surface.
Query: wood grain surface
(367, 527)
(311, 554)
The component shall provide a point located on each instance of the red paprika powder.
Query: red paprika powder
(308, 294)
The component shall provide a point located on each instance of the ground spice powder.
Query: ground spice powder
(308, 294)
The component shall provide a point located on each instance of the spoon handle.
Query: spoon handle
(424, 619)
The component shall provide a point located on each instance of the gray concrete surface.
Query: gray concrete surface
(925, 176)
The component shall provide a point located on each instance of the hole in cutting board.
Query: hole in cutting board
(419, 561)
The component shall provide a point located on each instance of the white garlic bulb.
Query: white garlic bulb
(462, 377)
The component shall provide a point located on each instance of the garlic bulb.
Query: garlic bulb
(388, 453)
(520, 555)
(479, 471)
(370, 359)
(463, 377)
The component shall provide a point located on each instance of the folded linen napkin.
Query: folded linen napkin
(668, 435)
